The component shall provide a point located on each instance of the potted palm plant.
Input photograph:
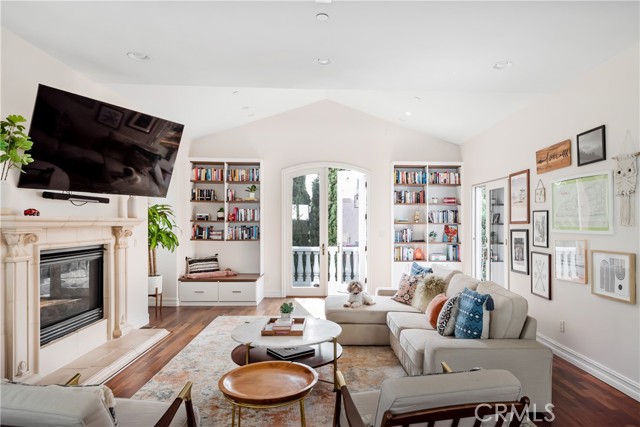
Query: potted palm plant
(13, 143)
(161, 225)
(252, 191)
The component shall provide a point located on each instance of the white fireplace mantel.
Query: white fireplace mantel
(23, 238)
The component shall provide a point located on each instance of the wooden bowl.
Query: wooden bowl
(268, 383)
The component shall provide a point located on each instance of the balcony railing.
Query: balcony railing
(344, 265)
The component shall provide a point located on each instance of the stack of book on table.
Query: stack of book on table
(279, 326)
(289, 353)
(282, 325)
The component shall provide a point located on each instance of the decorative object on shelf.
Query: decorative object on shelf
(416, 217)
(556, 156)
(571, 260)
(614, 275)
(133, 210)
(220, 214)
(286, 309)
(541, 195)
(418, 255)
(583, 204)
(450, 234)
(591, 146)
(495, 219)
(541, 229)
(252, 191)
(202, 217)
(433, 236)
(14, 144)
(519, 197)
(520, 251)
(625, 177)
(31, 212)
(541, 274)
(161, 225)
(435, 200)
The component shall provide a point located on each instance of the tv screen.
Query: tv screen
(82, 144)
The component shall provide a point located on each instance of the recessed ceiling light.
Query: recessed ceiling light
(501, 65)
(138, 56)
(235, 92)
(322, 17)
(323, 61)
(407, 113)
(246, 107)
(417, 98)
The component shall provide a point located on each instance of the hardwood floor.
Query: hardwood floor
(579, 398)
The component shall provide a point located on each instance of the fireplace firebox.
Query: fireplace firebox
(71, 290)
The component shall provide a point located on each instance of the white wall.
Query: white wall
(601, 335)
(23, 68)
(324, 131)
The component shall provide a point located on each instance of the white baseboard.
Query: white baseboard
(140, 321)
(166, 302)
(273, 294)
(614, 379)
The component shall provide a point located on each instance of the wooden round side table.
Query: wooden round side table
(267, 385)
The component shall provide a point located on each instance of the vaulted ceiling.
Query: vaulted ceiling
(425, 65)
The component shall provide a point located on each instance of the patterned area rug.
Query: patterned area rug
(205, 359)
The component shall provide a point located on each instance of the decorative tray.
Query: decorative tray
(297, 328)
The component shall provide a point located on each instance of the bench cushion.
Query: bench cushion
(371, 314)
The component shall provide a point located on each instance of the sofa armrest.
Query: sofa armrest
(386, 292)
(528, 360)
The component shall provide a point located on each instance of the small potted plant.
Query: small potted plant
(252, 191)
(13, 143)
(285, 310)
(220, 214)
(433, 235)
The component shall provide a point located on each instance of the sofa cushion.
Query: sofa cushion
(203, 264)
(426, 290)
(434, 308)
(460, 281)
(510, 311)
(25, 405)
(474, 309)
(418, 269)
(445, 273)
(407, 288)
(447, 317)
(376, 314)
(413, 341)
(398, 321)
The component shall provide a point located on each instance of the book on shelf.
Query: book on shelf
(288, 353)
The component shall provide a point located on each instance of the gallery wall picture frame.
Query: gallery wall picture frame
(591, 146)
(519, 243)
(614, 275)
(571, 261)
(540, 193)
(540, 220)
(109, 116)
(519, 197)
(541, 274)
(554, 157)
(583, 204)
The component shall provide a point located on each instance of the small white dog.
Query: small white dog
(357, 296)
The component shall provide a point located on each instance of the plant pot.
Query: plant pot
(154, 282)
(220, 216)
(285, 315)
(252, 196)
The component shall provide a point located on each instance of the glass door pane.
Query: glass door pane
(497, 236)
(480, 248)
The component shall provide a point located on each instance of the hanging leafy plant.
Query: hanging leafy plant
(13, 143)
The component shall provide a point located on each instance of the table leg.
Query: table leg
(233, 415)
(246, 353)
(239, 415)
(335, 363)
(303, 422)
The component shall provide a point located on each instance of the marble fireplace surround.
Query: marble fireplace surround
(23, 238)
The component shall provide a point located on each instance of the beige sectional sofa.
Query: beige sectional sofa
(511, 345)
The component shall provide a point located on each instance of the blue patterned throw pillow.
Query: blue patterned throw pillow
(472, 320)
(417, 269)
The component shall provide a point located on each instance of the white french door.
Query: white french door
(324, 229)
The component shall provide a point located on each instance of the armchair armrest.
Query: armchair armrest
(183, 396)
(386, 292)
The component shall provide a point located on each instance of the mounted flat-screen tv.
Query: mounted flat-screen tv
(85, 145)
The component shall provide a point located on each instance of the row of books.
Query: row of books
(444, 178)
(243, 175)
(207, 174)
(199, 232)
(403, 253)
(243, 232)
(404, 235)
(443, 216)
(410, 177)
(409, 196)
(208, 194)
(240, 214)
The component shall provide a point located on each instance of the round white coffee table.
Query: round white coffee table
(320, 333)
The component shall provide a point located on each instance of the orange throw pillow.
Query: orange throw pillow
(434, 308)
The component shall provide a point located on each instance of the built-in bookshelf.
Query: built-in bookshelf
(426, 213)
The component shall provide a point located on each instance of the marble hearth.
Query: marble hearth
(23, 238)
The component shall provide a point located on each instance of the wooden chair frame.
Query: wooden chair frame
(455, 413)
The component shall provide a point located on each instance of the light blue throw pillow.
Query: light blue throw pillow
(472, 320)
(417, 269)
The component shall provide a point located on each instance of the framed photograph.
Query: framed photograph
(614, 275)
(571, 260)
(109, 116)
(583, 204)
(495, 219)
(519, 197)
(520, 251)
(541, 229)
(591, 146)
(142, 122)
(541, 274)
